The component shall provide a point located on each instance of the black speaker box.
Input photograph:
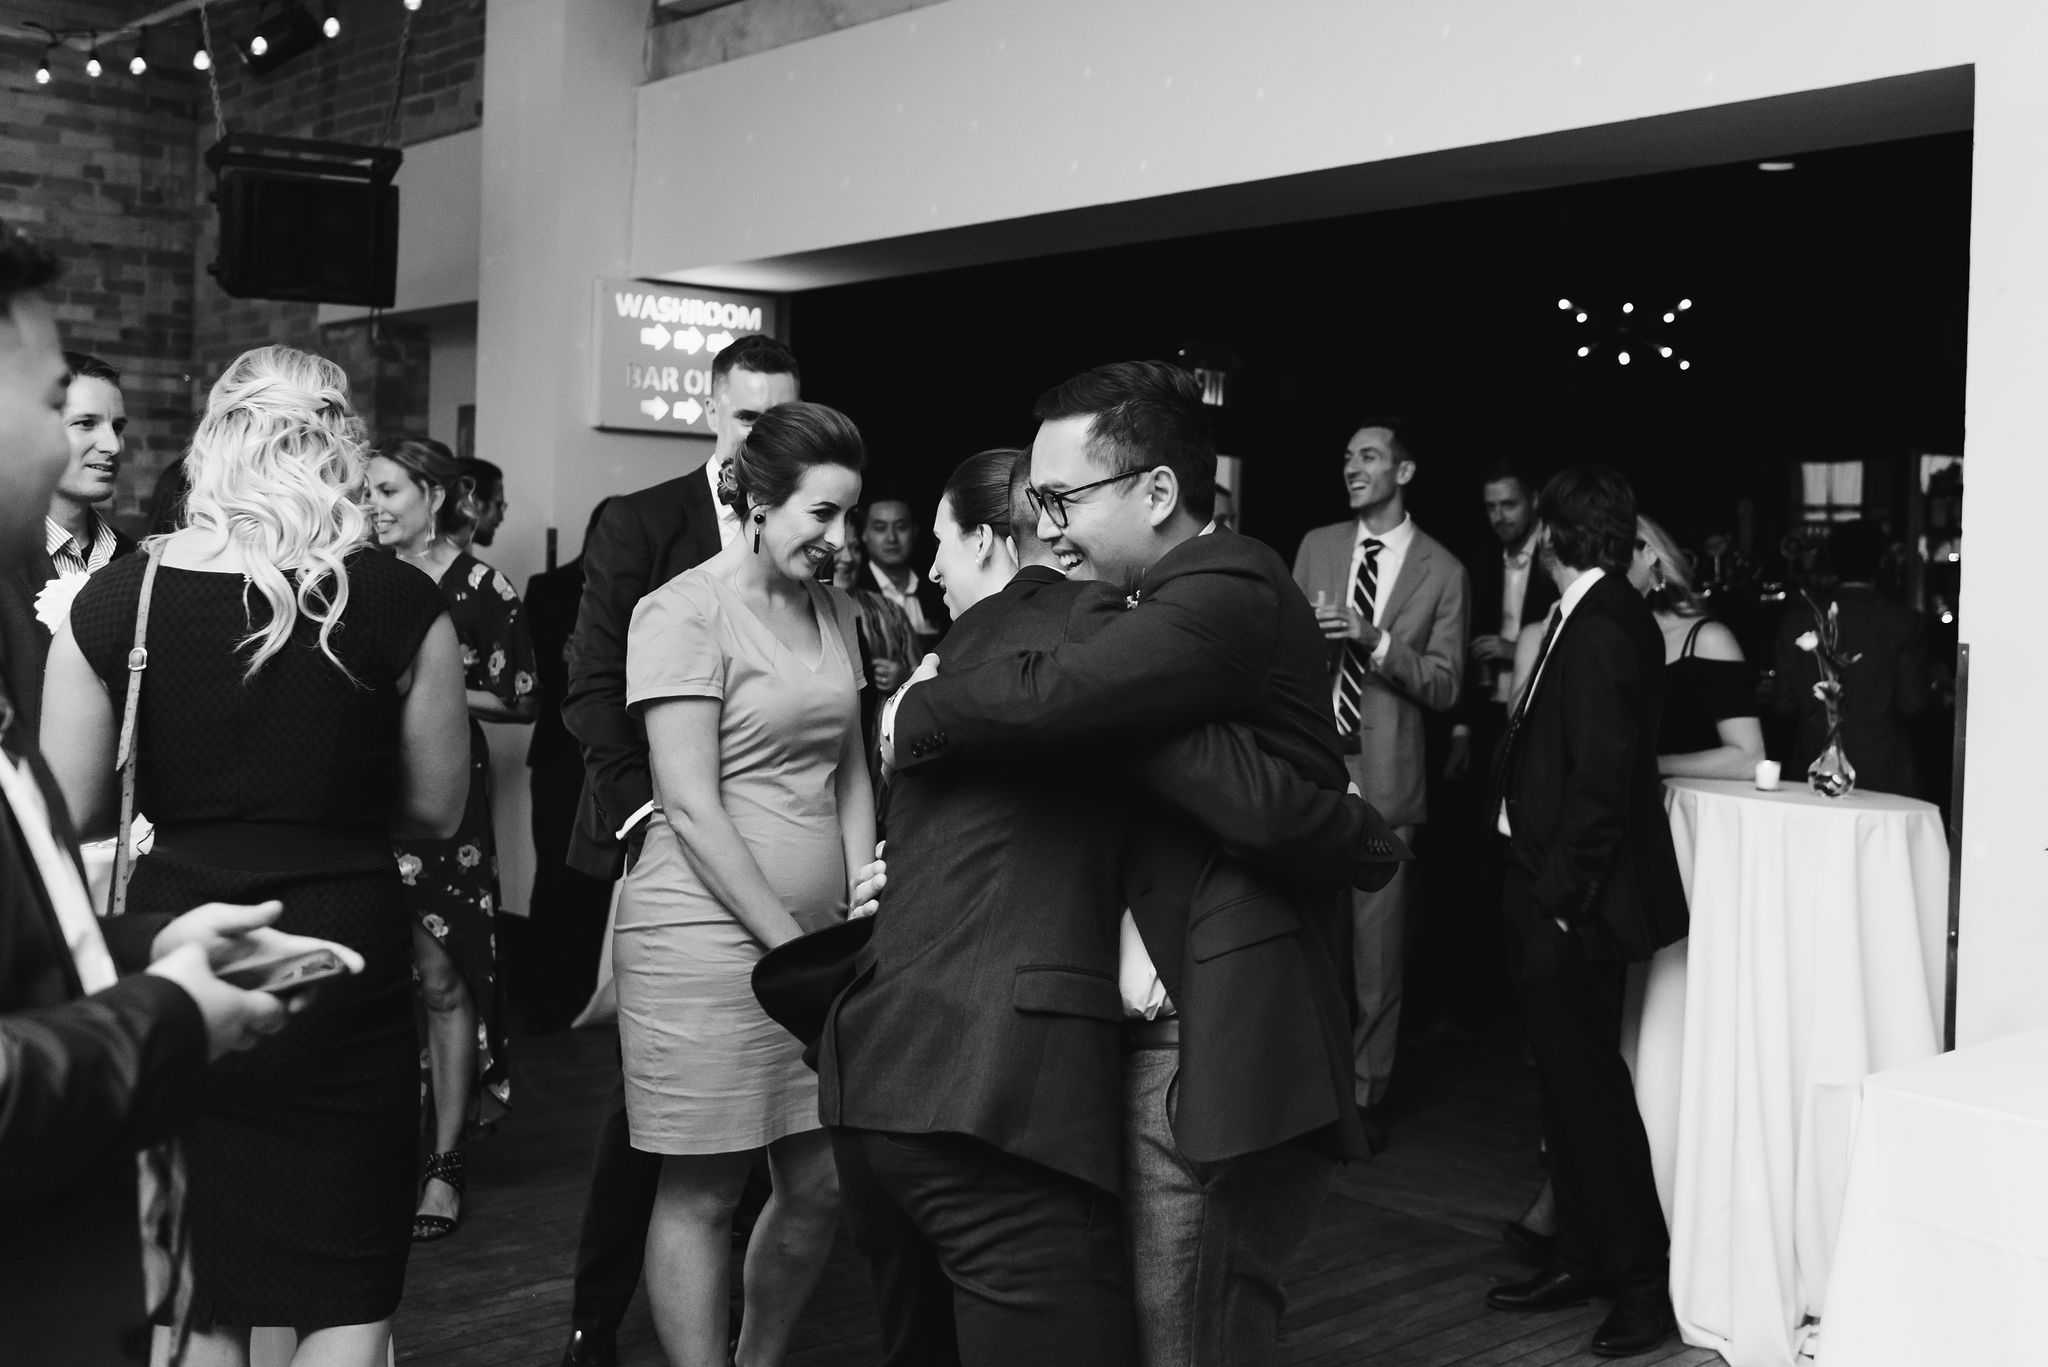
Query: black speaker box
(306, 221)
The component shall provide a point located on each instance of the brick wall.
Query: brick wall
(109, 172)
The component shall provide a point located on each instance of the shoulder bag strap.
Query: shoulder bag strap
(124, 757)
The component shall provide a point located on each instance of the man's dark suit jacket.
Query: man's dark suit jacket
(1485, 571)
(1579, 775)
(643, 540)
(1880, 691)
(1006, 892)
(84, 1083)
(553, 598)
(1220, 633)
(24, 640)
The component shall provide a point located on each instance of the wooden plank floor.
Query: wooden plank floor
(1395, 1272)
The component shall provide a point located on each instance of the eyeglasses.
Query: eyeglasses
(1053, 502)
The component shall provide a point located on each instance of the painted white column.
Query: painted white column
(558, 152)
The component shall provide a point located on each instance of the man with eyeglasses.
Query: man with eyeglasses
(1237, 1028)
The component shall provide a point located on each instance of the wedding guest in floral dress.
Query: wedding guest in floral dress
(417, 506)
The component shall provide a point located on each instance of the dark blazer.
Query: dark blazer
(1220, 633)
(1579, 775)
(931, 599)
(1485, 572)
(552, 600)
(643, 540)
(24, 640)
(1006, 889)
(84, 1083)
(1880, 692)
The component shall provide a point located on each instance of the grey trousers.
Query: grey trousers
(1209, 1242)
(1379, 926)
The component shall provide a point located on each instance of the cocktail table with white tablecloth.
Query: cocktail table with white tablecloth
(1818, 955)
(1944, 1251)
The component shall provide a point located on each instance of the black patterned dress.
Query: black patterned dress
(452, 885)
(301, 1167)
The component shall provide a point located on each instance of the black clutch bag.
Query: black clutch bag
(796, 981)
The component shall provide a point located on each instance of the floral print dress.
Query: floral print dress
(452, 885)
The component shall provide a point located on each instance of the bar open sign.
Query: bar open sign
(655, 345)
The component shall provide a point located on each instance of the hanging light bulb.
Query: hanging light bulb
(1582, 316)
(202, 60)
(1628, 308)
(1670, 317)
(331, 25)
(1585, 351)
(1623, 358)
(1664, 351)
(92, 62)
(1684, 304)
(137, 64)
(258, 45)
(1564, 304)
(43, 68)
(1685, 365)
(412, 4)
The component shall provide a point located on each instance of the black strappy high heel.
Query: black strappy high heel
(448, 1168)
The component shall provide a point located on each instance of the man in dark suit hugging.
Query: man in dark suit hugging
(1237, 1063)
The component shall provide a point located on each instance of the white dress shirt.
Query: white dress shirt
(1569, 600)
(905, 597)
(61, 881)
(72, 558)
(1514, 592)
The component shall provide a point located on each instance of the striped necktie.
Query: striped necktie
(1355, 662)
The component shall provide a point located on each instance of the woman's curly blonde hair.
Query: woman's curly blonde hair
(277, 467)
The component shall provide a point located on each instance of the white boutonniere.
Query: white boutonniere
(53, 604)
(1131, 602)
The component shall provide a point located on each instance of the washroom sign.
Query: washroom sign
(655, 344)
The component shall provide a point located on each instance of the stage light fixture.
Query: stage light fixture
(284, 29)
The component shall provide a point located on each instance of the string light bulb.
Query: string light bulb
(1585, 351)
(412, 4)
(43, 67)
(258, 45)
(331, 25)
(137, 64)
(1565, 304)
(202, 60)
(1582, 316)
(93, 68)
(1623, 358)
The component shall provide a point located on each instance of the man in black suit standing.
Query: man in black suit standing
(889, 532)
(1237, 1078)
(1591, 886)
(643, 540)
(567, 923)
(972, 1073)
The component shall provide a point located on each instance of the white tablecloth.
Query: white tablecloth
(1818, 955)
(1944, 1251)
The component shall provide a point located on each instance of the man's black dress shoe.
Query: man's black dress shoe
(591, 1345)
(1640, 1321)
(1552, 1289)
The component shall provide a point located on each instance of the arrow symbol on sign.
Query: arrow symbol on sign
(656, 409)
(656, 336)
(718, 341)
(689, 340)
(689, 410)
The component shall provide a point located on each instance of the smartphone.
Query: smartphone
(289, 973)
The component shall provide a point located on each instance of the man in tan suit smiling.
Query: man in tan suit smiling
(1393, 603)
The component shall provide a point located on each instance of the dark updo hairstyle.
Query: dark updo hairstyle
(788, 439)
(433, 466)
(980, 490)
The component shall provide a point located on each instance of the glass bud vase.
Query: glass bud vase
(1831, 775)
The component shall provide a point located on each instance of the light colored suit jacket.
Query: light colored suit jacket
(1425, 614)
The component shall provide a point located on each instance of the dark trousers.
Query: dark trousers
(616, 1210)
(565, 934)
(983, 1258)
(1609, 1222)
(1463, 975)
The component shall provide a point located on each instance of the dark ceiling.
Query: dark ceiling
(1828, 323)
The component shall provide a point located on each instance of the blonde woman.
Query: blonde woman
(302, 705)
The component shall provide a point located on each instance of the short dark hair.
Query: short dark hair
(25, 265)
(483, 474)
(80, 365)
(1590, 514)
(1501, 471)
(1143, 414)
(1400, 434)
(1857, 550)
(789, 439)
(980, 490)
(431, 465)
(758, 352)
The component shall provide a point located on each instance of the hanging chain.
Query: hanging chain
(220, 120)
(397, 83)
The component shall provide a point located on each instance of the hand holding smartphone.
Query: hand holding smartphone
(290, 963)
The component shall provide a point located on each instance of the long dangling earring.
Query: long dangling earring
(759, 518)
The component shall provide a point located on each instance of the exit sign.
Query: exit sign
(655, 345)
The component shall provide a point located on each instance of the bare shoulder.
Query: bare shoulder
(1717, 642)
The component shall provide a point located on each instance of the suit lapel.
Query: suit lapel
(1414, 566)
